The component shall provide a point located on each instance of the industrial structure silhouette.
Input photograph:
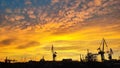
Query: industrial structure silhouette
(54, 54)
(89, 61)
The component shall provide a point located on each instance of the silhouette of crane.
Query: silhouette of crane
(82, 58)
(54, 54)
(9, 60)
(90, 56)
(110, 52)
(101, 49)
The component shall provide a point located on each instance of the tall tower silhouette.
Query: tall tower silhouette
(54, 54)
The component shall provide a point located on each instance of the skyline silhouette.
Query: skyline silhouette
(89, 57)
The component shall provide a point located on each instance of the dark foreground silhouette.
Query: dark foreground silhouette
(61, 64)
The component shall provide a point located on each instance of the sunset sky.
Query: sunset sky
(28, 28)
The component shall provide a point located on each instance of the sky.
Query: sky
(28, 28)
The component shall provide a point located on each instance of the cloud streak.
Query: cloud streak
(29, 44)
(7, 42)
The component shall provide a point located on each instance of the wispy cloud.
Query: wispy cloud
(6, 42)
(28, 44)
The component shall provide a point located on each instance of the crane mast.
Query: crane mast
(54, 54)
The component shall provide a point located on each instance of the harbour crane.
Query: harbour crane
(91, 56)
(54, 54)
(102, 50)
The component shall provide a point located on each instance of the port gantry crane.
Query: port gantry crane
(54, 54)
(102, 50)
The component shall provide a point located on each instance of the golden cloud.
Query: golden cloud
(98, 2)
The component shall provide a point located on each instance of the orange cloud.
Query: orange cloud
(32, 16)
(98, 2)
(54, 1)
